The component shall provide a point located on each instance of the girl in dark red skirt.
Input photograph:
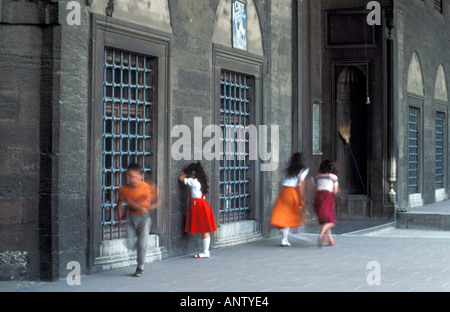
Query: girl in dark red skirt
(200, 217)
(324, 204)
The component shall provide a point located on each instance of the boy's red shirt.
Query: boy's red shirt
(142, 195)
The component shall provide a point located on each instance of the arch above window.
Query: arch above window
(415, 76)
(223, 27)
(153, 13)
(440, 88)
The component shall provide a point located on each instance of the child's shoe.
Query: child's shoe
(139, 272)
(202, 255)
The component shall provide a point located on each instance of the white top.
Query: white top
(326, 182)
(195, 186)
(294, 181)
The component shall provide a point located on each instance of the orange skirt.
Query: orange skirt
(286, 212)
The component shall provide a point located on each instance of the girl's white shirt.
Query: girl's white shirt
(294, 181)
(326, 182)
(195, 186)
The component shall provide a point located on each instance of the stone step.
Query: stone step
(115, 254)
(235, 233)
(423, 220)
(435, 216)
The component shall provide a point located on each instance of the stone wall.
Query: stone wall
(46, 101)
(421, 51)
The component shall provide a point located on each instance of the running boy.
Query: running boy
(141, 198)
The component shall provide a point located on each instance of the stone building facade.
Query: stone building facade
(87, 87)
(391, 81)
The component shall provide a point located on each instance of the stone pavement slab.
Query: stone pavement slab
(386, 261)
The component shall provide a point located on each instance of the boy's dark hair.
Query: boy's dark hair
(296, 164)
(328, 166)
(134, 167)
(200, 175)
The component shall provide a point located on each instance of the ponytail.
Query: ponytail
(200, 175)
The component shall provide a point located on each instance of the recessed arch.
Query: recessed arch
(415, 76)
(147, 13)
(223, 27)
(440, 88)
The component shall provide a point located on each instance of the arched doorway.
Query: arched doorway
(351, 105)
(353, 158)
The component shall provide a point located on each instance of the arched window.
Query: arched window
(441, 139)
(415, 88)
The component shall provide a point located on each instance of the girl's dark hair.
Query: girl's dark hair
(328, 166)
(200, 175)
(296, 164)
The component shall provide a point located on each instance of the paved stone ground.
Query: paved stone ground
(408, 261)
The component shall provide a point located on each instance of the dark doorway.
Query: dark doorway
(351, 105)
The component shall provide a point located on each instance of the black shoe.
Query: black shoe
(139, 272)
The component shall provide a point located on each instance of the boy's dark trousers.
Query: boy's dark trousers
(138, 229)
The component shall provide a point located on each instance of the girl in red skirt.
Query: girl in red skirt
(200, 217)
(324, 205)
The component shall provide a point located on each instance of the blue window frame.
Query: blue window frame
(235, 113)
(413, 150)
(128, 91)
(440, 126)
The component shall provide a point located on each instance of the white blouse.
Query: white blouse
(293, 181)
(326, 182)
(195, 186)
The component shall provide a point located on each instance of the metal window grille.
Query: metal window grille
(235, 110)
(413, 150)
(440, 118)
(128, 88)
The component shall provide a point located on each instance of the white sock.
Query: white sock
(206, 242)
(285, 232)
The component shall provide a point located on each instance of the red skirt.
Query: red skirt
(324, 206)
(200, 217)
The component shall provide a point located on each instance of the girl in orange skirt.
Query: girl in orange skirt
(324, 204)
(200, 217)
(287, 210)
